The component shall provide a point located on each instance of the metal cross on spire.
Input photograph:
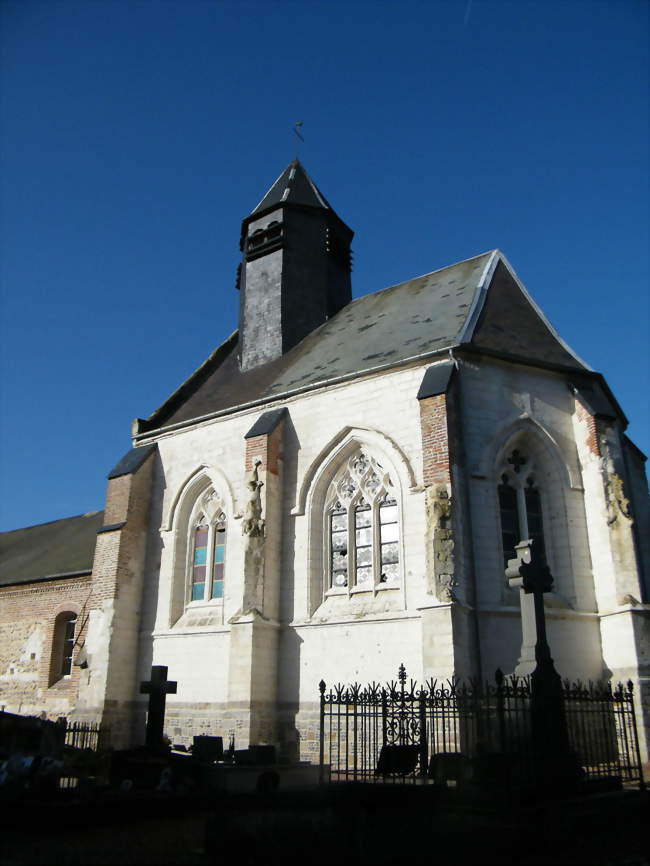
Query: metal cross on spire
(297, 132)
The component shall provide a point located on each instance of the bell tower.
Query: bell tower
(295, 272)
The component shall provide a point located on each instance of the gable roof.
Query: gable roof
(508, 321)
(478, 303)
(61, 548)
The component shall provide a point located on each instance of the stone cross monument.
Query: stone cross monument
(555, 764)
(532, 578)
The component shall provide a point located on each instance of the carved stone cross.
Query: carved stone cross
(158, 687)
(554, 761)
(517, 460)
(530, 574)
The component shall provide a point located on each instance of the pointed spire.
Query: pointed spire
(294, 186)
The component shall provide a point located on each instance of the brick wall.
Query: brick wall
(268, 448)
(28, 684)
(592, 438)
(436, 456)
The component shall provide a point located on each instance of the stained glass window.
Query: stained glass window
(200, 561)
(219, 559)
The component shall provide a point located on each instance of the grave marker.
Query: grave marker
(550, 740)
(158, 687)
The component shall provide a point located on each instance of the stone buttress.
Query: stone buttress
(108, 684)
(618, 527)
(448, 622)
(254, 628)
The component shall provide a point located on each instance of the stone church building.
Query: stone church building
(336, 491)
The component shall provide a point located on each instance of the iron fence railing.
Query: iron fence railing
(453, 731)
(86, 735)
(84, 752)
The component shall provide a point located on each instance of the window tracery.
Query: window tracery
(520, 505)
(362, 527)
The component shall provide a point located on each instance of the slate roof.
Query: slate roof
(131, 461)
(478, 302)
(59, 548)
(294, 186)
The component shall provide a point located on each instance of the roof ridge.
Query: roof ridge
(204, 367)
(56, 520)
(420, 277)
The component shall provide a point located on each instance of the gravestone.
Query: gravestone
(399, 760)
(207, 748)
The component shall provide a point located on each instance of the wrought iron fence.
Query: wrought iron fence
(452, 731)
(84, 752)
(86, 735)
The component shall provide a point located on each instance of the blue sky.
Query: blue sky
(137, 135)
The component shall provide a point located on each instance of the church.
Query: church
(335, 491)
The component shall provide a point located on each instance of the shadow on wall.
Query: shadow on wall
(289, 650)
(151, 593)
(289, 694)
(291, 449)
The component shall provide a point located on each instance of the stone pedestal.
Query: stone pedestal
(252, 677)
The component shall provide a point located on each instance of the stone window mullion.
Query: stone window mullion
(521, 511)
(207, 595)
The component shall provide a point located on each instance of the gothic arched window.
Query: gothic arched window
(520, 506)
(208, 549)
(362, 528)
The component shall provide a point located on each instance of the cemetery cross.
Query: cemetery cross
(158, 687)
(531, 575)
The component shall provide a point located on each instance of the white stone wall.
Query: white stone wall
(383, 414)
(358, 651)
